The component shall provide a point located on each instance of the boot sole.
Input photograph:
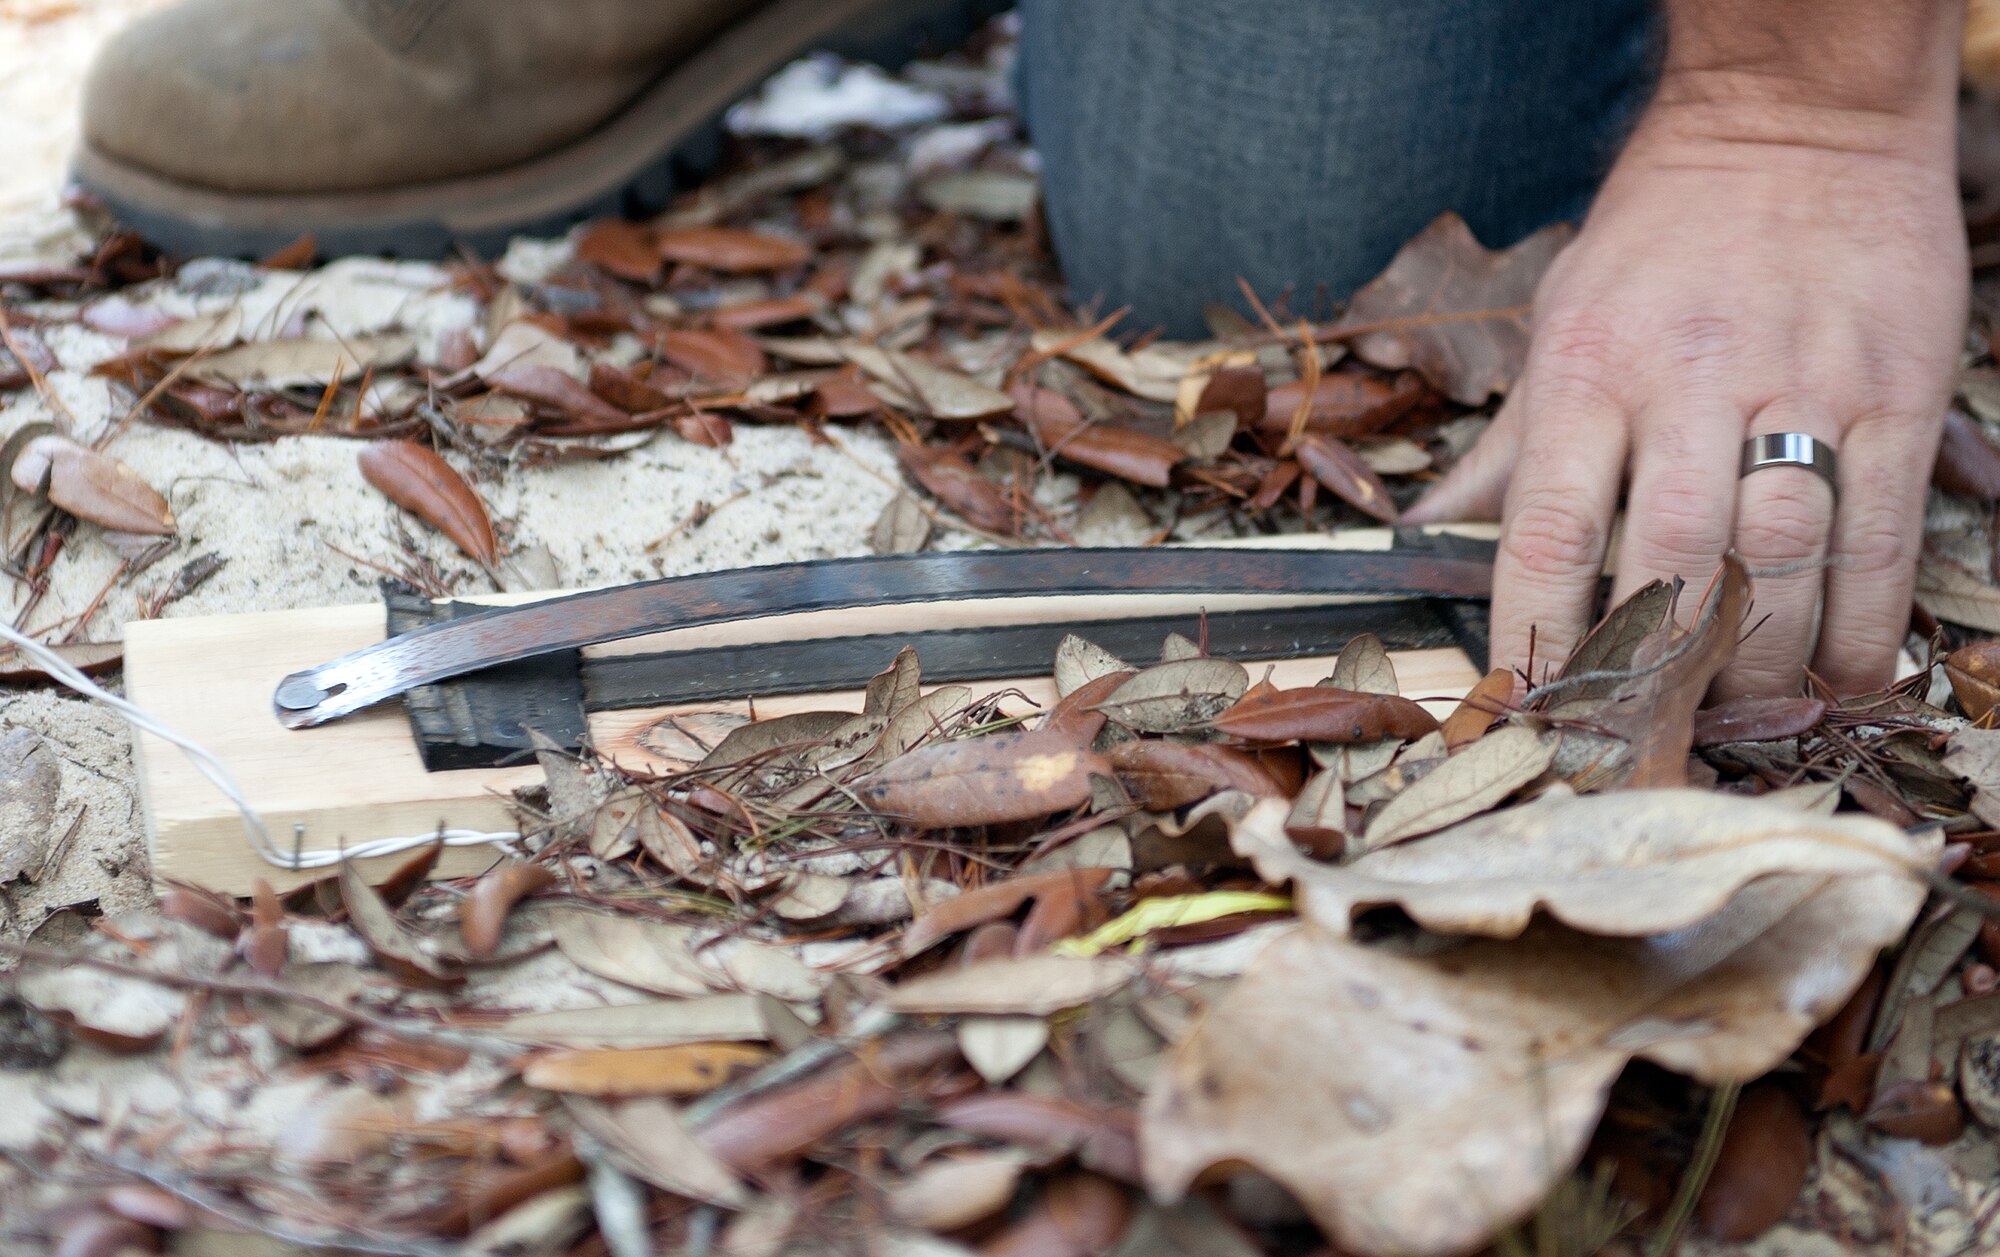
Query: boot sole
(632, 164)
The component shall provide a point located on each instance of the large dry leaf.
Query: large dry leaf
(91, 486)
(1033, 986)
(1321, 713)
(1465, 785)
(1454, 310)
(958, 484)
(1335, 465)
(416, 478)
(1415, 1105)
(30, 781)
(1627, 864)
(662, 1023)
(986, 780)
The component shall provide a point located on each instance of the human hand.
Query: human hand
(1743, 271)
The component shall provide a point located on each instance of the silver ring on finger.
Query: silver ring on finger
(1792, 449)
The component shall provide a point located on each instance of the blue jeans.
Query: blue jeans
(1298, 143)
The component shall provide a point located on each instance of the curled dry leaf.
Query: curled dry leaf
(730, 249)
(1375, 1086)
(91, 486)
(555, 390)
(1762, 1165)
(1323, 714)
(1331, 462)
(959, 485)
(1632, 864)
(1483, 704)
(266, 945)
(1365, 665)
(1079, 662)
(986, 780)
(1974, 673)
(397, 949)
(1453, 310)
(416, 478)
(1176, 696)
(483, 917)
(1928, 1112)
(1465, 785)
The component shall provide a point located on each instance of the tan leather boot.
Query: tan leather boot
(401, 126)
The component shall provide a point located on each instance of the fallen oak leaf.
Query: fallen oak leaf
(649, 1141)
(1344, 404)
(1967, 462)
(1032, 986)
(912, 383)
(730, 249)
(395, 948)
(1468, 783)
(1323, 713)
(1756, 718)
(958, 484)
(1153, 373)
(1761, 1167)
(91, 486)
(715, 355)
(622, 248)
(1376, 1086)
(1974, 673)
(1631, 864)
(985, 780)
(1164, 775)
(978, 907)
(1121, 452)
(416, 478)
(1453, 310)
(1176, 696)
(553, 389)
(1482, 705)
(1329, 460)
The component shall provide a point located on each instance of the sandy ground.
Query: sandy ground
(274, 512)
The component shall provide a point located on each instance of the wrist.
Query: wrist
(1702, 109)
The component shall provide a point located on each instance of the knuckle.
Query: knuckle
(1576, 357)
(1548, 534)
(1878, 542)
(1781, 528)
(1680, 522)
(1700, 337)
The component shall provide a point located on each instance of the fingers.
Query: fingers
(1784, 522)
(1476, 487)
(1682, 502)
(1558, 514)
(1878, 529)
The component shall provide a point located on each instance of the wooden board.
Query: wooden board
(211, 678)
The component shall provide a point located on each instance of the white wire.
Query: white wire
(222, 779)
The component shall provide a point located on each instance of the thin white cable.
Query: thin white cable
(222, 779)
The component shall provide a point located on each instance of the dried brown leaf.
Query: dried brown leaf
(91, 486)
(1331, 462)
(1131, 455)
(985, 781)
(912, 383)
(683, 1069)
(1176, 696)
(1756, 718)
(397, 949)
(482, 918)
(1376, 1086)
(647, 1140)
(1453, 310)
(1322, 713)
(1967, 462)
(416, 478)
(1483, 704)
(1344, 404)
(622, 248)
(1761, 1167)
(1001, 899)
(1465, 785)
(954, 1192)
(1162, 776)
(958, 484)
(1635, 863)
(730, 249)
(715, 355)
(1030, 986)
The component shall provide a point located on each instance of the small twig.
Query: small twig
(483, 1045)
